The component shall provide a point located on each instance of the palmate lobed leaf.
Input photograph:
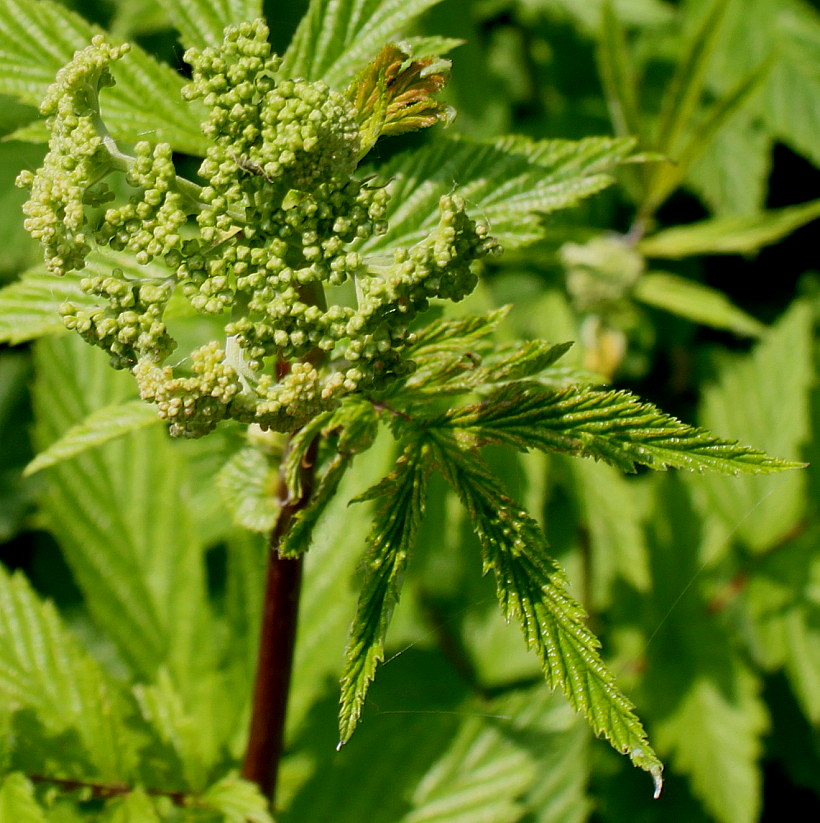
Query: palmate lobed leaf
(509, 183)
(532, 590)
(116, 510)
(614, 426)
(390, 539)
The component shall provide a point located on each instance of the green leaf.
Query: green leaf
(558, 794)
(135, 807)
(99, 427)
(729, 235)
(705, 701)
(587, 16)
(17, 801)
(717, 116)
(119, 516)
(194, 743)
(614, 426)
(328, 599)
(480, 776)
(238, 801)
(683, 94)
(714, 737)
(784, 610)
(201, 22)
(682, 97)
(17, 248)
(336, 39)
(352, 429)
(29, 307)
(764, 398)
(617, 75)
(611, 516)
(510, 183)
(391, 537)
(794, 85)
(532, 590)
(695, 302)
(246, 561)
(298, 537)
(43, 668)
(38, 38)
(249, 485)
(460, 373)
(791, 30)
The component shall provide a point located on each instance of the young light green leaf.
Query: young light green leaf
(509, 183)
(729, 235)
(402, 495)
(17, 802)
(532, 590)
(350, 430)
(695, 302)
(37, 39)
(681, 99)
(99, 427)
(335, 39)
(249, 485)
(43, 668)
(328, 599)
(201, 22)
(614, 426)
(237, 800)
(731, 176)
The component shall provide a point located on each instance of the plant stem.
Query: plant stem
(103, 791)
(277, 641)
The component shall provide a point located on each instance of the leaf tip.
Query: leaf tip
(657, 779)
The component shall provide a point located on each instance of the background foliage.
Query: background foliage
(688, 283)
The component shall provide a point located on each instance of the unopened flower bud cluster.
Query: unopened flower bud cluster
(262, 244)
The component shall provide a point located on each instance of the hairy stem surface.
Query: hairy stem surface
(277, 641)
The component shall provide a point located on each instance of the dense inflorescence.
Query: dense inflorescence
(272, 233)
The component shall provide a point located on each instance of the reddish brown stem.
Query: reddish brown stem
(104, 791)
(277, 642)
